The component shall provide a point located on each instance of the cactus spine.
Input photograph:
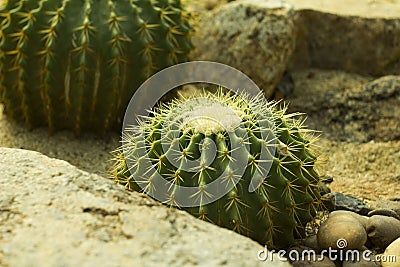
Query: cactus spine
(287, 197)
(75, 63)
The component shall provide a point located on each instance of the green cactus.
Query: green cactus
(287, 197)
(74, 64)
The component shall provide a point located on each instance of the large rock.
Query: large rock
(53, 214)
(359, 36)
(348, 107)
(255, 36)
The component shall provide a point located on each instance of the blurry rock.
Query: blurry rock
(344, 213)
(384, 212)
(382, 230)
(325, 262)
(53, 214)
(302, 256)
(311, 242)
(386, 204)
(361, 263)
(341, 232)
(257, 37)
(348, 107)
(392, 252)
(349, 203)
(352, 35)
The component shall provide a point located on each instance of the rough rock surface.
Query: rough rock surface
(382, 230)
(360, 36)
(257, 37)
(53, 214)
(349, 107)
(392, 252)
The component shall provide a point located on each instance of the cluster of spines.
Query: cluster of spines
(284, 202)
(74, 64)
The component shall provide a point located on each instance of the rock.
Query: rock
(256, 37)
(358, 36)
(53, 214)
(325, 262)
(361, 263)
(384, 212)
(348, 107)
(349, 203)
(311, 242)
(386, 204)
(382, 230)
(391, 255)
(303, 256)
(341, 232)
(344, 213)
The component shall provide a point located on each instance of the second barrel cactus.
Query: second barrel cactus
(270, 199)
(75, 63)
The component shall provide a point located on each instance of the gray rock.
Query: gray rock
(348, 107)
(349, 203)
(392, 255)
(384, 212)
(53, 214)
(303, 256)
(386, 204)
(382, 230)
(341, 232)
(361, 263)
(311, 242)
(325, 262)
(355, 36)
(257, 37)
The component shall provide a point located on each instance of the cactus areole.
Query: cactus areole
(275, 151)
(74, 64)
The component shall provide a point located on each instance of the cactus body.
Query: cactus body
(75, 64)
(287, 197)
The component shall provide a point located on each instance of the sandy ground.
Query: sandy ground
(370, 171)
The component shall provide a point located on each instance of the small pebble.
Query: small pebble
(392, 251)
(382, 230)
(341, 232)
(384, 212)
(311, 242)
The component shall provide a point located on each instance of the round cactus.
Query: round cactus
(75, 64)
(274, 196)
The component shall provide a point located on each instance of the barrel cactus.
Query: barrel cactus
(274, 197)
(74, 64)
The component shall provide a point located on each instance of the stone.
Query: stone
(53, 214)
(358, 36)
(348, 107)
(325, 262)
(382, 230)
(361, 263)
(311, 242)
(345, 213)
(341, 232)
(384, 212)
(255, 36)
(349, 203)
(303, 256)
(386, 204)
(391, 256)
